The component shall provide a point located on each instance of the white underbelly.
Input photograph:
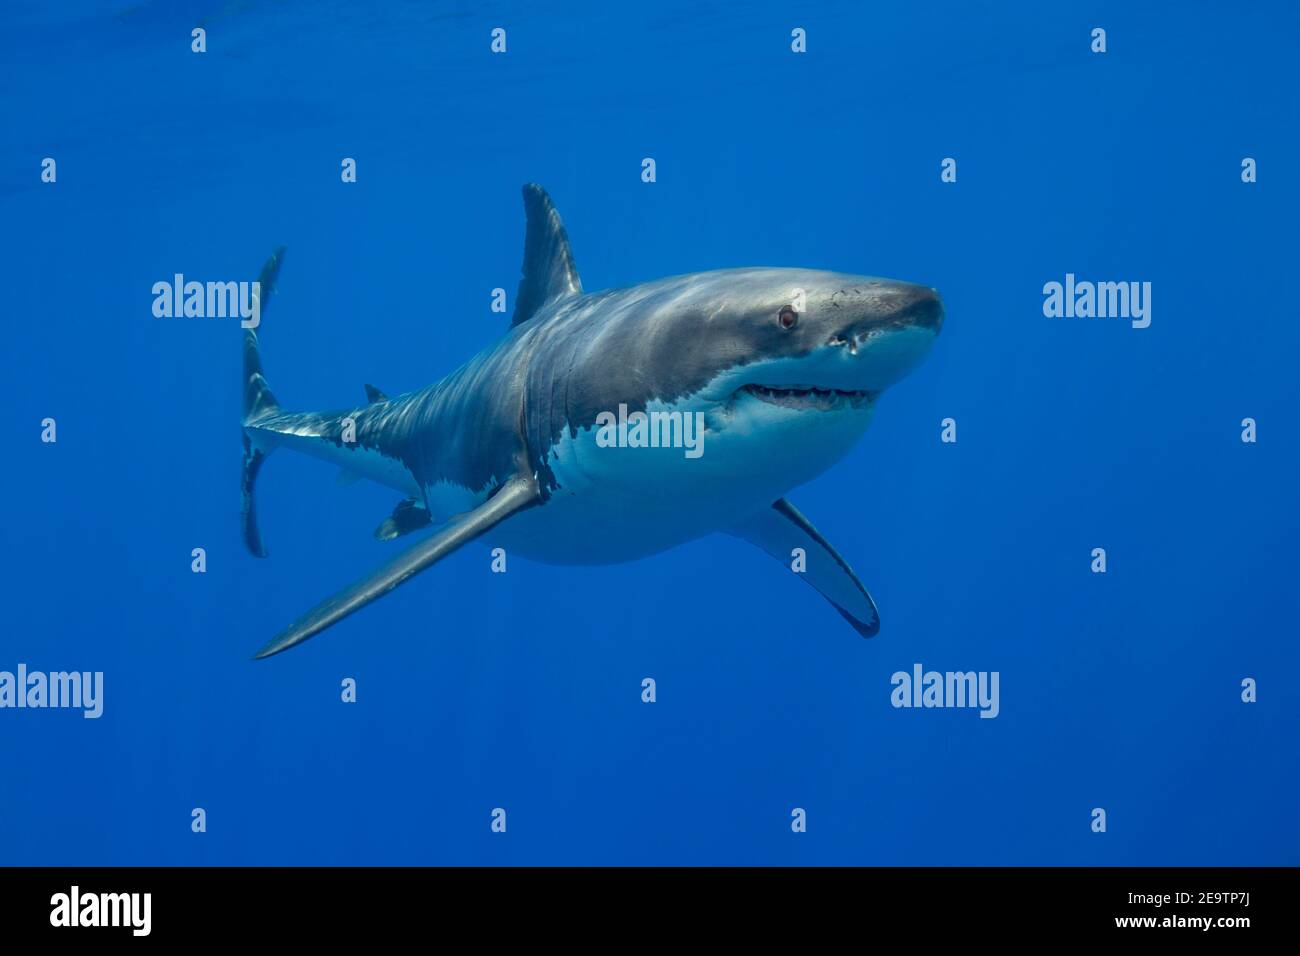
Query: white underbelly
(359, 461)
(617, 504)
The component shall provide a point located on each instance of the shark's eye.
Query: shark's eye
(788, 318)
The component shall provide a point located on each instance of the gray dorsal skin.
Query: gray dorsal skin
(781, 368)
(549, 273)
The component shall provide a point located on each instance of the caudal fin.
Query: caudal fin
(259, 403)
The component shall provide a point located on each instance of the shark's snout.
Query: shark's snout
(922, 307)
(883, 330)
(869, 311)
(881, 306)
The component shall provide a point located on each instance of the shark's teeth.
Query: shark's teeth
(809, 396)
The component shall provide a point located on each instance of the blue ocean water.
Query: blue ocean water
(1120, 691)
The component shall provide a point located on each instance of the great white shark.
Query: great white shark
(782, 366)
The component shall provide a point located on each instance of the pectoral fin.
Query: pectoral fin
(515, 495)
(782, 528)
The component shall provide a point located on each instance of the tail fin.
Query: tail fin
(259, 403)
(258, 400)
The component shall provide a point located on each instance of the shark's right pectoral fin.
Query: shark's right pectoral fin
(515, 495)
(780, 529)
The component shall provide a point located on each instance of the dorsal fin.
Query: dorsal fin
(549, 272)
(374, 395)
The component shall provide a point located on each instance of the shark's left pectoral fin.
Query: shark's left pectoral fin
(515, 495)
(780, 529)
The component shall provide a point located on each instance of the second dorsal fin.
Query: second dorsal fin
(548, 271)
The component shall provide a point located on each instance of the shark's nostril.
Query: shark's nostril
(840, 341)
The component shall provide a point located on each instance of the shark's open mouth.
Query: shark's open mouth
(809, 396)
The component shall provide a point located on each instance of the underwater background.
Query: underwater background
(1121, 691)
